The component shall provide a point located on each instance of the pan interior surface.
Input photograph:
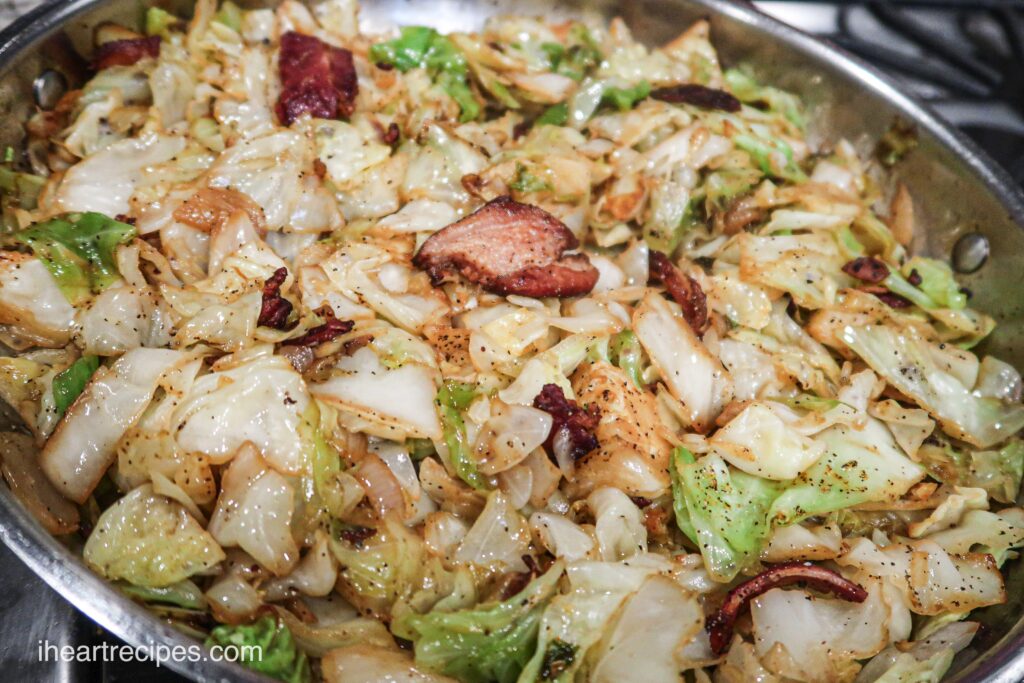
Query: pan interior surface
(957, 192)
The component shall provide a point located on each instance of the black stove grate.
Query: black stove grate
(965, 58)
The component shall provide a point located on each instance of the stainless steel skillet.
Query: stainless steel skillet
(957, 191)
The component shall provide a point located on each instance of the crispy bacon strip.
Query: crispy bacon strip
(873, 271)
(682, 288)
(890, 299)
(275, 309)
(572, 427)
(323, 333)
(509, 248)
(210, 207)
(699, 96)
(125, 52)
(867, 269)
(316, 78)
(720, 624)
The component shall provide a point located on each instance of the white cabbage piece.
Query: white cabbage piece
(794, 352)
(90, 132)
(223, 309)
(359, 272)
(618, 524)
(375, 193)
(365, 387)
(244, 110)
(31, 304)
(562, 537)
(921, 371)
(348, 149)
(802, 542)
(998, 379)
(579, 617)
(84, 444)
(923, 661)
(122, 318)
(552, 366)
(691, 373)
(984, 531)
(420, 215)
(442, 532)
(931, 580)
(752, 370)
(276, 171)
(949, 512)
(651, 630)
(806, 265)
(821, 636)
(436, 169)
(173, 84)
(254, 512)
(338, 17)
(149, 540)
(744, 303)
(364, 662)
(941, 582)
(633, 443)
(909, 426)
(859, 465)
(761, 441)
(498, 538)
(105, 181)
(258, 401)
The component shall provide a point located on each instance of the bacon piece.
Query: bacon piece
(125, 52)
(392, 135)
(509, 248)
(316, 79)
(890, 299)
(682, 288)
(699, 96)
(572, 428)
(867, 269)
(275, 309)
(210, 207)
(720, 624)
(323, 333)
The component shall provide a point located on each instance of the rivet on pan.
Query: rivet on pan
(48, 88)
(970, 252)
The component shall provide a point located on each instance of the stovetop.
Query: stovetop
(966, 58)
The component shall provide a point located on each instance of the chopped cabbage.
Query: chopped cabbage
(489, 642)
(149, 540)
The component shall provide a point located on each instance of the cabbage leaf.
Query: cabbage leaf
(728, 511)
(277, 655)
(69, 383)
(913, 367)
(999, 472)
(420, 46)
(859, 466)
(78, 250)
(491, 642)
(452, 398)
